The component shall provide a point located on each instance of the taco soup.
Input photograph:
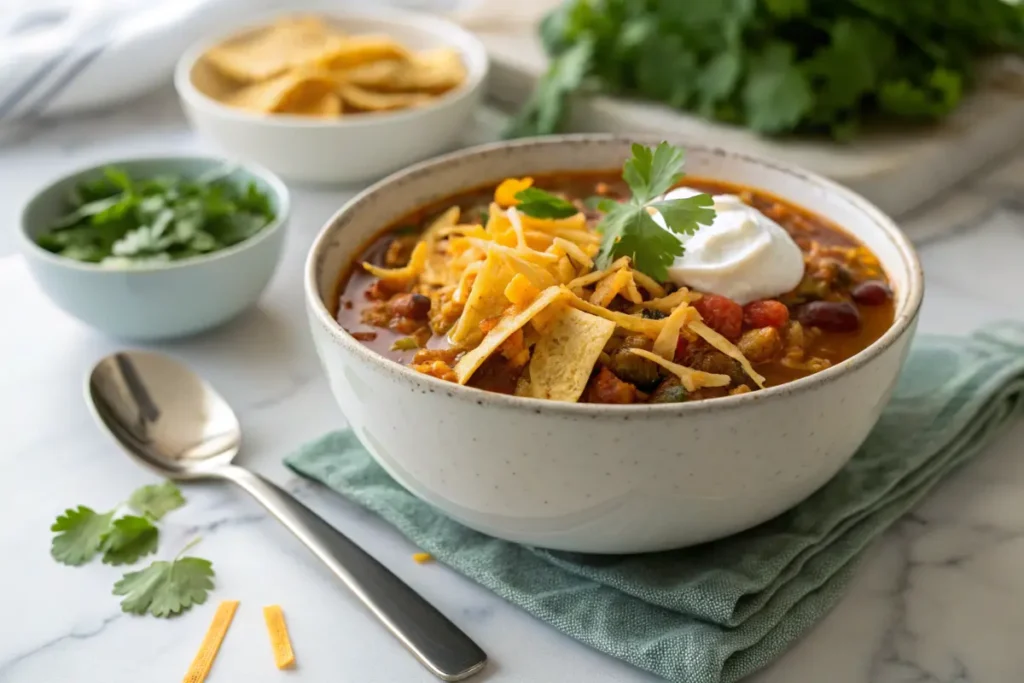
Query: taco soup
(622, 287)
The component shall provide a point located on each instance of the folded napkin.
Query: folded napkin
(717, 612)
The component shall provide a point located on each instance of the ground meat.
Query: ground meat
(376, 314)
(379, 291)
(605, 387)
(702, 357)
(430, 355)
(437, 368)
(760, 345)
(399, 251)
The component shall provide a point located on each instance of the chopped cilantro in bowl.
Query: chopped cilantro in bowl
(122, 220)
(156, 248)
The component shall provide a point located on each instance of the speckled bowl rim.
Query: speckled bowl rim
(275, 184)
(476, 60)
(903, 323)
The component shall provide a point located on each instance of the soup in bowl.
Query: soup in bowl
(568, 343)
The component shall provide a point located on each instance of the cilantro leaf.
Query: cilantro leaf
(628, 228)
(598, 203)
(683, 216)
(156, 500)
(129, 539)
(164, 589)
(122, 221)
(650, 173)
(540, 204)
(80, 534)
(777, 94)
(630, 231)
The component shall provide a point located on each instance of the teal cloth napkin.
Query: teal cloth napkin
(717, 612)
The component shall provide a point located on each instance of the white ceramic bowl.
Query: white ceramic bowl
(351, 148)
(603, 478)
(166, 300)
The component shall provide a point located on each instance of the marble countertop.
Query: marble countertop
(940, 599)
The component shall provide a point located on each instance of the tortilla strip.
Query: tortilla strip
(486, 297)
(573, 251)
(564, 357)
(648, 283)
(627, 322)
(667, 304)
(726, 347)
(690, 379)
(472, 360)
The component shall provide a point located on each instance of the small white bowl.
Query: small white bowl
(351, 148)
(160, 301)
(605, 478)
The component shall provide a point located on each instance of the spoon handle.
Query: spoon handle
(435, 641)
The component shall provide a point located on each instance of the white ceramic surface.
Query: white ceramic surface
(166, 300)
(350, 148)
(606, 479)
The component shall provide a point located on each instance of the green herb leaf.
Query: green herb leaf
(80, 533)
(129, 539)
(537, 203)
(777, 94)
(405, 344)
(156, 500)
(628, 228)
(165, 589)
(598, 203)
(121, 221)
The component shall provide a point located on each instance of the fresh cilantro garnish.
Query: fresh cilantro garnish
(537, 203)
(164, 589)
(156, 500)
(119, 221)
(628, 228)
(129, 539)
(775, 66)
(80, 533)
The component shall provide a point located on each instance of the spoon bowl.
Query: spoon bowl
(172, 421)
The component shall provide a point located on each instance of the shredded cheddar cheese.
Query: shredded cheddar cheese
(211, 642)
(280, 643)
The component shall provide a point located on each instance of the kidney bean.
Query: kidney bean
(414, 306)
(871, 293)
(831, 316)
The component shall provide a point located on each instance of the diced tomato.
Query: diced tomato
(721, 314)
(681, 347)
(765, 313)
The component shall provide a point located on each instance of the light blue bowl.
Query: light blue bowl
(161, 301)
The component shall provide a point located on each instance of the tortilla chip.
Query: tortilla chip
(508, 324)
(328, 105)
(376, 75)
(368, 100)
(435, 71)
(270, 52)
(347, 52)
(564, 357)
(486, 297)
(291, 92)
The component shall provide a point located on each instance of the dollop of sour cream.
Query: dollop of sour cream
(743, 254)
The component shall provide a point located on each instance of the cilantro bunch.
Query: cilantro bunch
(120, 221)
(775, 66)
(163, 588)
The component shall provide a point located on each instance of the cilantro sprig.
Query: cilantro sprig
(628, 229)
(120, 221)
(164, 588)
(824, 67)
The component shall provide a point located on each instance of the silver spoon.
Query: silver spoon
(169, 419)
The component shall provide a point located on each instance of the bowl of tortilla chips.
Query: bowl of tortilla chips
(334, 98)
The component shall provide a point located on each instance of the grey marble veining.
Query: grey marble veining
(938, 600)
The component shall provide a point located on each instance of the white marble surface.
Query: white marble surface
(939, 600)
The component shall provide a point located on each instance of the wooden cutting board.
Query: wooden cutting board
(899, 171)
